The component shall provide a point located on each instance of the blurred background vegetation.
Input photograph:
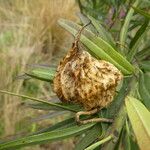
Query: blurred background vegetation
(29, 34)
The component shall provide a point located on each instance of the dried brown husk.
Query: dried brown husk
(82, 79)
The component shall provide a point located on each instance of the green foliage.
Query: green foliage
(144, 88)
(89, 137)
(99, 47)
(47, 136)
(44, 74)
(145, 14)
(140, 120)
(126, 48)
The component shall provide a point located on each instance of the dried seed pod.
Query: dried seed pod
(82, 79)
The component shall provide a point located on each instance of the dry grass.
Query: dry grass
(28, 34)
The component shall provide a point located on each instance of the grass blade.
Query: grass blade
(44, 137)
(140, 120)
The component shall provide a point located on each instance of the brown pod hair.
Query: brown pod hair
(82, 79)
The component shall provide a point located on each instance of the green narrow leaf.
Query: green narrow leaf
(93, 146)
(118, 101)
(99, 47)
(121, 139)
(143, 53)
(140, 120)
(43, 106)
(63, 106)
(115, 129)
(89, 137)
(63, 124)
(143, 90)
(43, 74)
(125, 27)
(86, 20)
(139, 33)
(44, 137)
(136, 41)
(147, 81)
(145, 14)
(145, 65)
(102, 31)
(127, 143)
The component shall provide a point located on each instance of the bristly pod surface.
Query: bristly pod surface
(99, 48)
(82, 79)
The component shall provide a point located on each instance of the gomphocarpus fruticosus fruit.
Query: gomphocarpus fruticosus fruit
(82, 79)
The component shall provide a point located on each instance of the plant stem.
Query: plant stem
(115, 129)
(38, 100)
(93, 146)
(118, 108)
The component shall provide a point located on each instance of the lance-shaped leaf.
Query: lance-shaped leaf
(125, 27)
(95, 145)
(44, 106)
(145, 65)
(136, 41)
(44, 74)
(140, 120)
(55, 105)
(144, 53)
(45, 137)
(145, 14)
(85, 20)
(144, 89)
(60, 125)
(115, 129)
(99, 47)
(102, 31)
(89, 137)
